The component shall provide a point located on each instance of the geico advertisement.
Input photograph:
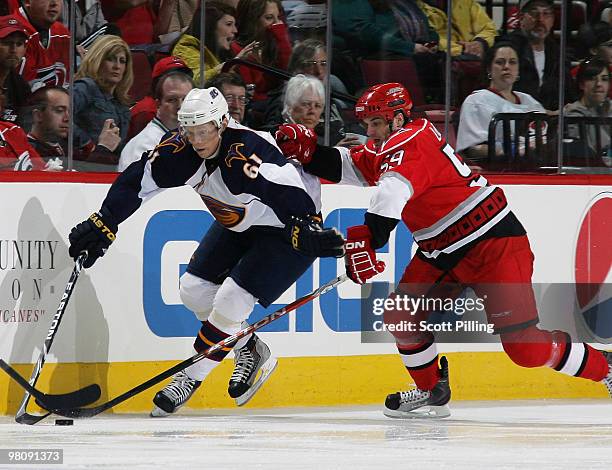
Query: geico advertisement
(127, 306)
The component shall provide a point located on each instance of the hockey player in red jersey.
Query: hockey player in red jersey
(466, 234)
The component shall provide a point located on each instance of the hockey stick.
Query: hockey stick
(22, 415)
(75, 412)
(49, 401)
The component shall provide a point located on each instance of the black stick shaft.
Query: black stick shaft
(57, 319)
(88, 412)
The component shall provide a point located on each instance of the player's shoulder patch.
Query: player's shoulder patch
(171, 143)
(235, 153)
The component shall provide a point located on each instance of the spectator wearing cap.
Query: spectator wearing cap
(539, 54)
(220, 29)
(12, 50)
(169, 94)
(144, 110)
(593, 80)
(48, 45)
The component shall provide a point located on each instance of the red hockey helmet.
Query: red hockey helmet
(383, 100)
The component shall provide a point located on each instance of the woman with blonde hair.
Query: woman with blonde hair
(101, 101)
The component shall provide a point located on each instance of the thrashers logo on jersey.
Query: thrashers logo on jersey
(175, 141)
(226, 214)
(235, 154)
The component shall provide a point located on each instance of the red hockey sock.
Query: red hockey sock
(532, 347)
(589, 364)
(426, 378)
(421, 361)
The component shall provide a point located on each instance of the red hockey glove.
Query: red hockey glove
(296, 141)
(360, 258)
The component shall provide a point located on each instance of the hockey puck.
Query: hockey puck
(64, 422)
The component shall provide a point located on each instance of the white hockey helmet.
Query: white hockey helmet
(202, 105)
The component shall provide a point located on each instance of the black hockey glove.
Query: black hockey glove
(308, 237)
(93, 235)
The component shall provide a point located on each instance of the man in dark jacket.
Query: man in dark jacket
(539, 54)
(12, 49)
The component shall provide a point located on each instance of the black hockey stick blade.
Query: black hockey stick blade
(50, 402)
(76, 412)
(27, 418)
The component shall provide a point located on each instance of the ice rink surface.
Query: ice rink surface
(515, 434)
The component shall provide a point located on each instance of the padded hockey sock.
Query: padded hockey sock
(581, 360)
(421, 361)
(532, 347)
(207, 337)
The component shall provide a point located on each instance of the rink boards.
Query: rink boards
(125, 321)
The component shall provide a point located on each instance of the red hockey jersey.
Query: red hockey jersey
(46, 65)
(16, 154)
(422, 181)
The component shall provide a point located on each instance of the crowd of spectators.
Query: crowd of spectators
(495, 68)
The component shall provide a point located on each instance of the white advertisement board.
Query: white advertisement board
(127, 306)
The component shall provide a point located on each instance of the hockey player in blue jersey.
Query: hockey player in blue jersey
(265, 235)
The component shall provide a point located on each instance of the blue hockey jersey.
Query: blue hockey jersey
(236, 197)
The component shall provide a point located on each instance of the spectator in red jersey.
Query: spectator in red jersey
(101, 93)
(47, 49)
(144, 111)
(12, 50)
(16, 154)
(262, 21)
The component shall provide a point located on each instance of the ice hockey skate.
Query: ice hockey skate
(252, 358)
(418, 403)
(174, 395)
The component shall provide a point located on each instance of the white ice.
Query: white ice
(543, 434)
